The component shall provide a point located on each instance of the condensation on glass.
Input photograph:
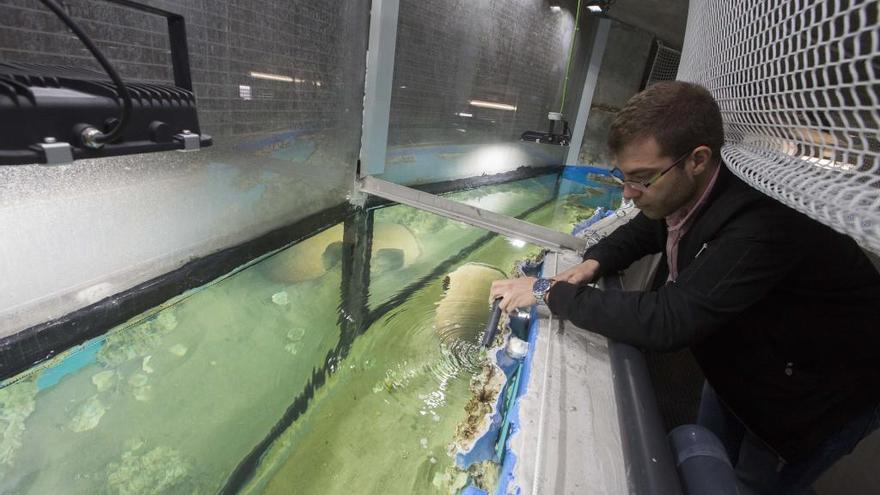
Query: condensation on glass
(279, 86)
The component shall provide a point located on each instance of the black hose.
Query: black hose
(492, 326)
(100, 137)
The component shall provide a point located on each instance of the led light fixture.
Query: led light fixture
(56, 114)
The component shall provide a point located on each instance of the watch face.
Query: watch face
(541, 286)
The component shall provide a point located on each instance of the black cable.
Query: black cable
(100, 137)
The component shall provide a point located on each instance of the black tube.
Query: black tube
(120, 86)
(492, 326)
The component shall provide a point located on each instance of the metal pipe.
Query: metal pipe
(649, 463)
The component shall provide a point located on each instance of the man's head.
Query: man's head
(673, 128)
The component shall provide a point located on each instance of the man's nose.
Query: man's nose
(629, 192)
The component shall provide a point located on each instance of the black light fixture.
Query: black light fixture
(550, 137)
(56, 114)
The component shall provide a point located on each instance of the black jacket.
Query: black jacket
(781, 312)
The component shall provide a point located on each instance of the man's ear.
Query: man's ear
(702, 159)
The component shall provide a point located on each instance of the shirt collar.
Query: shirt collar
(680, 217)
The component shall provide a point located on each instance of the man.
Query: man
(781, 313)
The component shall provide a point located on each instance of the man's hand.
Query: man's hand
(579, 274)
(514, 293)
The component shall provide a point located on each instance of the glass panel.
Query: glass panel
(553, 201)
(470, 78)
(171, 402)
(383, 422)
(435, 238)
(285, 147)
(266, 375)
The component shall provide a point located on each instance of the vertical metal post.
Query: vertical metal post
(179, 52)
(176, 37)
(357, 243)
(377, 98)
(580, 123)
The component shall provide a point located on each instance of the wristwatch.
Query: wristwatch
(540, 289)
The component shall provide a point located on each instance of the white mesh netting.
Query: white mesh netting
(664, 67)
(797, 82)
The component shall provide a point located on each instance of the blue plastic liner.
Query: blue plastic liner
(508, 461)
(76, 360)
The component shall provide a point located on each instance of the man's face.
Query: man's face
(641, 160)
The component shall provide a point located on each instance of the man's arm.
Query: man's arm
(628, 243)
(728, 276)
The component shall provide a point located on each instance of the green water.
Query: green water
(177, 398)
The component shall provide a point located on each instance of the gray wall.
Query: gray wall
(620, 77)
(665, 19)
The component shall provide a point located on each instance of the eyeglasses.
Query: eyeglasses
(643, 186)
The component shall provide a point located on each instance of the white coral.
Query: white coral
(16, 404)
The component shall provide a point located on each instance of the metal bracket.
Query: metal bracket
(56, 153)
(191, 142)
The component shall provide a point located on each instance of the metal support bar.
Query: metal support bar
(478, 217)
(357, 244)
(580, 123)
(177, 40)
(377, 97)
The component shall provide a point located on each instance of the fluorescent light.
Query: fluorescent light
(594, 8)
(271, 77)
(489, 104)
(462, 114)
(555, 8)
(828, 164)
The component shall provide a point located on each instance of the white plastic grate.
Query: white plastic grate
(664, 67)
(797, 83)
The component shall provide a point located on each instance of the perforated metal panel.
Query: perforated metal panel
(797, 82)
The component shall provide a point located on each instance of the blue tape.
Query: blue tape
(73, 362)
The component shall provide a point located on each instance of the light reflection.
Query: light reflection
(493, 159)
(828, 164)
(496, 106)
(270, 77)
